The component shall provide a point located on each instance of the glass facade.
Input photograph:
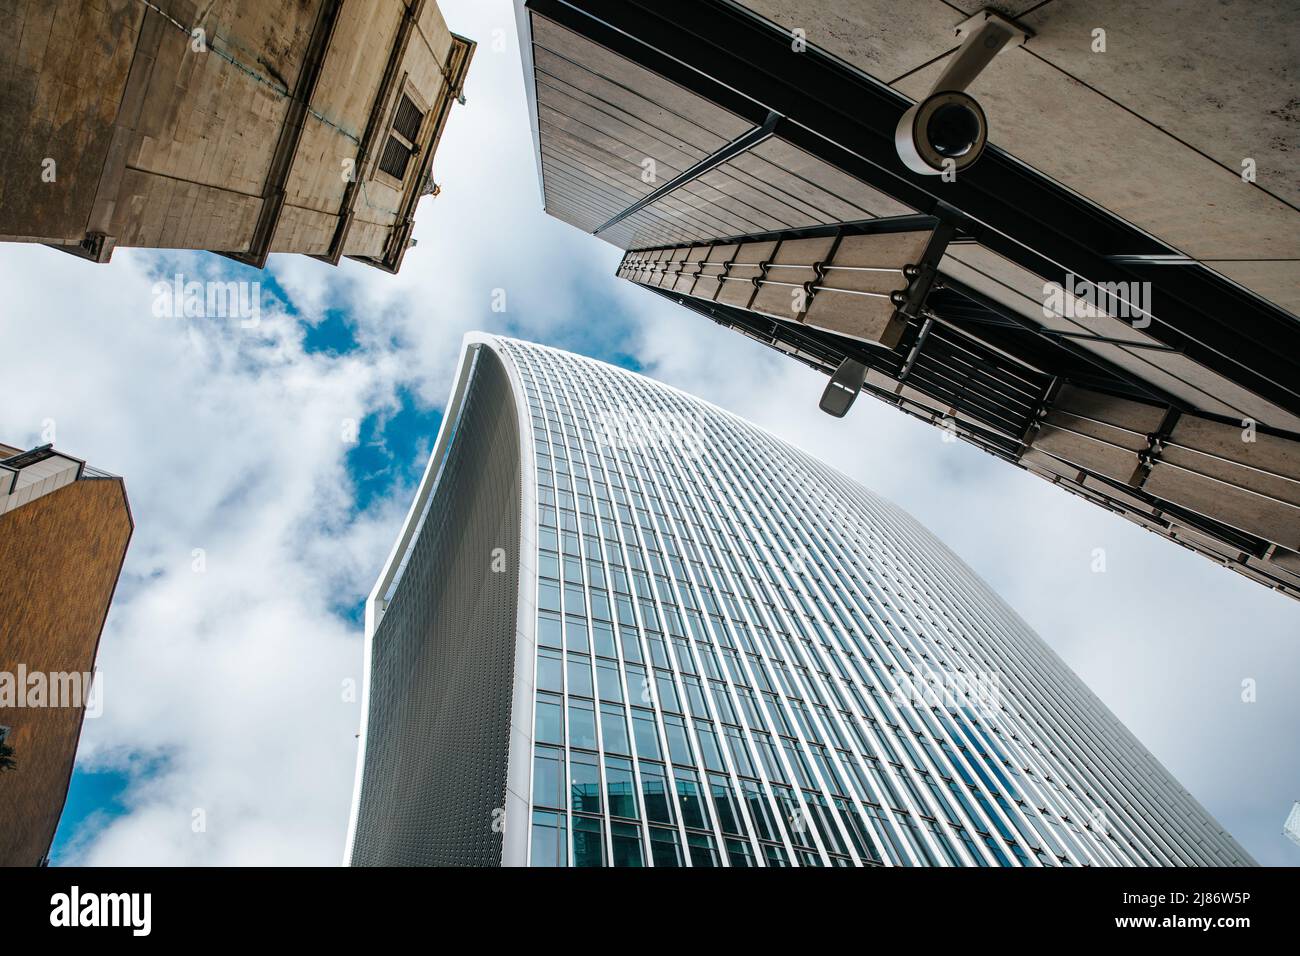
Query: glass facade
(714, 650)
(745, 659)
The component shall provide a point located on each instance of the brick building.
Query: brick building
(64, 529)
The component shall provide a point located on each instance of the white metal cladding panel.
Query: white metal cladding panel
(745, 658)
(433, 785)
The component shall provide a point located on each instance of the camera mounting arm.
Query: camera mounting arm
(947, 130)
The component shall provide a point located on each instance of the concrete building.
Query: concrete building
(64, 529)
(622, 627)
(240, 127)
(1067, 231)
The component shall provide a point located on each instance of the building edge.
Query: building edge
(518, 762)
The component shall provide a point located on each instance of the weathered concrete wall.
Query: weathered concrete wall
(63, 67)
(163, 141)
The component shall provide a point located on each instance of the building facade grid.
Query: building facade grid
(745, 659)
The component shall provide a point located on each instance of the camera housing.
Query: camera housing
(946, 130)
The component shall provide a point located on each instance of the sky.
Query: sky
(231, 656)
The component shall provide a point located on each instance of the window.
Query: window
(548, 777)
(587, 843)
(585, 782)
(610, 686)
(403, 139)
(654, 790)
(740, 854)
(579, 675)
(626, 844)
(613, 726)
(550, 720)
(702, 851)
(582, 724)
(548, 839)
(622, 787)
(664, 847)
(643, 726)
(691, 800)
(550, 673)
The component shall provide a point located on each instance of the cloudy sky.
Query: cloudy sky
(260, 528)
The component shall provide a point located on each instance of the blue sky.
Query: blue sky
(227, 678)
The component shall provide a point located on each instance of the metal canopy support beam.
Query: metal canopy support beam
(737, 146)
(740, 62)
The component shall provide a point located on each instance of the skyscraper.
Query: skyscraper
(624, 627)
(239, 127)
(1115, 313)
(64, 529)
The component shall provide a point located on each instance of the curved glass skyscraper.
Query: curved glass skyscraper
(624, 627)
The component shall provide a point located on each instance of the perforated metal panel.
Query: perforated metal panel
(443, 656)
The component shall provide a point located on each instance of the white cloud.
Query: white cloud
(230, 441)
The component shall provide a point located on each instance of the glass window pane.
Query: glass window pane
(582, 724)
(550, 675)
(760, 810)
(626, 844)
(776, 855)
(725, 806)
(575, 635)
(584, 782)
(603, 638)
(548, 630)
(588, 842)
(709, 751)
(550, 721)
(548, 777)
(664, 849)
(613, 728)
(611, 687)
(580, 676)
(691, 800)
(739, 853)
(667, 692)
(678, 746)
(647, 740)
(548, 839)
(703, 852)
(548, 596)
(631, 646)
(622, 787)
(548, 565)
(654, 792)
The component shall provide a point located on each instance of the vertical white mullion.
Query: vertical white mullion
(780, 692)
(891, 701)
(679, 684)
(759, 766)
(889, 821)
(967, 611)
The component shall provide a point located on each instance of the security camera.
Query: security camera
(947, 130)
